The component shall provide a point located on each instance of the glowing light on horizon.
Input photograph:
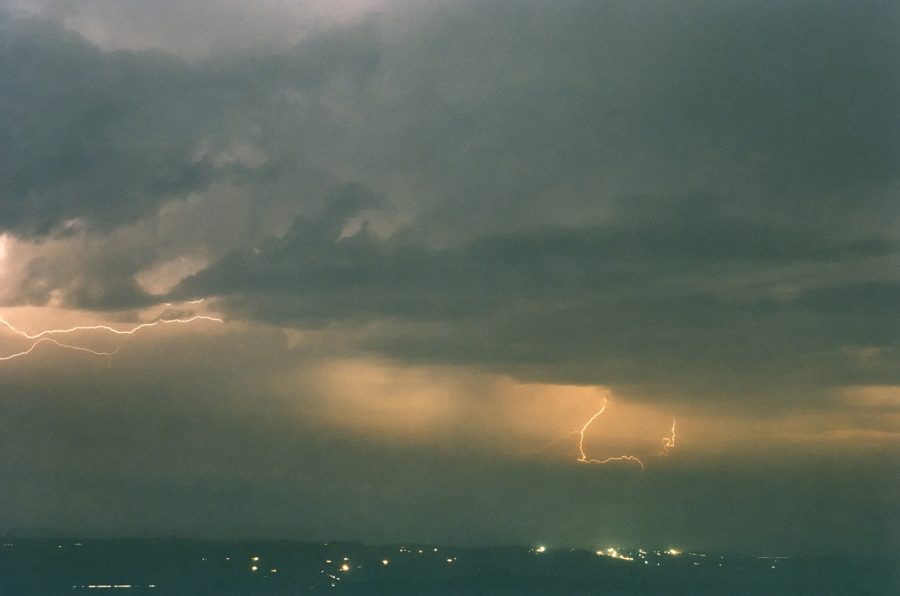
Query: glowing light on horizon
(44, 336)
(613, 553)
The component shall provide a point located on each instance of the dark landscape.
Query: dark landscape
(171, 566)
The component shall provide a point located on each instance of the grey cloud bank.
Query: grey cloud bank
(479, 117)
(591, 192)
(688, 306)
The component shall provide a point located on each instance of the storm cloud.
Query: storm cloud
(690, 300)
(691, 204)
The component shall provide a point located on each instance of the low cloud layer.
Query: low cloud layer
(686, 301)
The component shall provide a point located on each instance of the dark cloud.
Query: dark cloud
(726, 169)
(668, 299)
(472, 121)
(97, 136)
(505, 116)
(99, 289)
(108, 138)
(476, 118)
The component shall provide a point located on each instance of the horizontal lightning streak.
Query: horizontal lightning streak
(44, 336)
(107, 328)
(57, 343)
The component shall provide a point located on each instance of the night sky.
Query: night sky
(427, 242)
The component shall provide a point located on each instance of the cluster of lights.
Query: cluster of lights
(336, 570)
(113, 586)
(420, 551)
(254, 567)
(333, 571)
(614, 554)
(334, 578)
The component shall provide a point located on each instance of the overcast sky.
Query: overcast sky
(440, 236)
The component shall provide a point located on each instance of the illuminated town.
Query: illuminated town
(281, 567)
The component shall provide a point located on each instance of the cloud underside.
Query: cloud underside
(689, 300)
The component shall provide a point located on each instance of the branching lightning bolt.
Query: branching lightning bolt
(583, 458)
(106, 328)
(57, 343)
(44, 336)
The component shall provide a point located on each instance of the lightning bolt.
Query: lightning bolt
(45, 335)
(668, 442)
(107, 328)
(583, 457)
(57, 343)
